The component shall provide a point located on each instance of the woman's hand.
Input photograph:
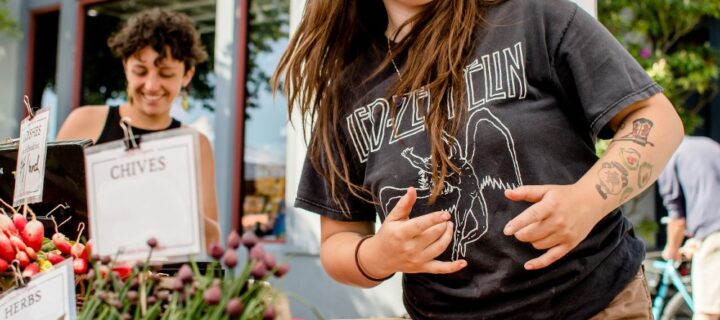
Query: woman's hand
(558, 221)
(409, 245)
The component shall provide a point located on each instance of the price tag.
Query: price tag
(49, 295)
(30, 171)
(147, 192)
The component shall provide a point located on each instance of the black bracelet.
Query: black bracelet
(357, 262)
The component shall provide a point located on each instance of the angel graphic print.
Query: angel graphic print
(464, 195)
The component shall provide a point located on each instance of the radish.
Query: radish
(80, 266)
(54, 258)
(78, 249)
(59, 240)
(7, 250)
(88, 250)
(23, 258)
(3, 265)
(61, 243)
(19, 221)
(6, 224)
(31, 270)
(17, 243)
(31, 253)
(123, 271)
(32, 234)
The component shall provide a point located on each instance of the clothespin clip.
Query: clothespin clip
(30, 110)
(131, 141)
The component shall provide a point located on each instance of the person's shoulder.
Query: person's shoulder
(90, 111)
(537, 6)
(543, 6)
(202, 138)
(549, 15)
(85, 122)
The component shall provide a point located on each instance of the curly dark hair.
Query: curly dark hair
(159, 28)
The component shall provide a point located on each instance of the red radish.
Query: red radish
(31, 253)
(59, 240)
(103, 271)
(23, 258)
(3, 265)
(19, 221)
(31, 270)
(88, 250)
(17, 243)
(6, 224)
(78, 250)
(32, 234)
(80, 266)
(54, 258)
(123, 271)
(61, 243)
(7, 250)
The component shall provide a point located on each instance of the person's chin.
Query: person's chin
(156, 110)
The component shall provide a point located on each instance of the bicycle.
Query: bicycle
(671, 290)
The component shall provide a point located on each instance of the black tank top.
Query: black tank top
(112, 130)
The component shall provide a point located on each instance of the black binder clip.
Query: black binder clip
(131, 141)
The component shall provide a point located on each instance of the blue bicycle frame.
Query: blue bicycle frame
(669, 276)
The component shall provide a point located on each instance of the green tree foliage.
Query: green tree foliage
(7, 24)
(659, 34)
(268, 24)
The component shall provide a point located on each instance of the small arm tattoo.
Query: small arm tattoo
(644, 174)
(613, 179)
(630, 157)
(640, 132)
(625, 194)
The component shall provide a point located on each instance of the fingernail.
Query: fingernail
(509, 229)
(445, 216)
(463, 263)
(529, 266)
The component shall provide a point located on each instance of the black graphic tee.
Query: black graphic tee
(544, 81)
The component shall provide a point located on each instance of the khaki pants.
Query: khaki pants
(633, 302)
(705, 282)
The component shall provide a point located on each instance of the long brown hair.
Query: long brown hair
(333, 33)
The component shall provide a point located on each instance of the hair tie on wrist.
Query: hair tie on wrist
(357, 262)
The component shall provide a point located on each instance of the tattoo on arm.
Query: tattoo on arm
(613, 178)
(644, 174)
(640, 132)
(625, 194)
(630, 158)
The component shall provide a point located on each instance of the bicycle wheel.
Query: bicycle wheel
(677, 309)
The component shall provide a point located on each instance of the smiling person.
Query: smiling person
(159, 50)
(468, 128)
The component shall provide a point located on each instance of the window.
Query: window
(263, 205)
(44, 41)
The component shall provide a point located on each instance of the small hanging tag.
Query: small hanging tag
(30, 170)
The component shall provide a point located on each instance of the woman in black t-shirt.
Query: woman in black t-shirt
(159, 50)
(468, 128)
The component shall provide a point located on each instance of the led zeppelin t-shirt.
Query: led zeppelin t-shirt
(544, 81)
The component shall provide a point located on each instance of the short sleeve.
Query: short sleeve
(597, 72)
(314, 194)
(671, 191)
